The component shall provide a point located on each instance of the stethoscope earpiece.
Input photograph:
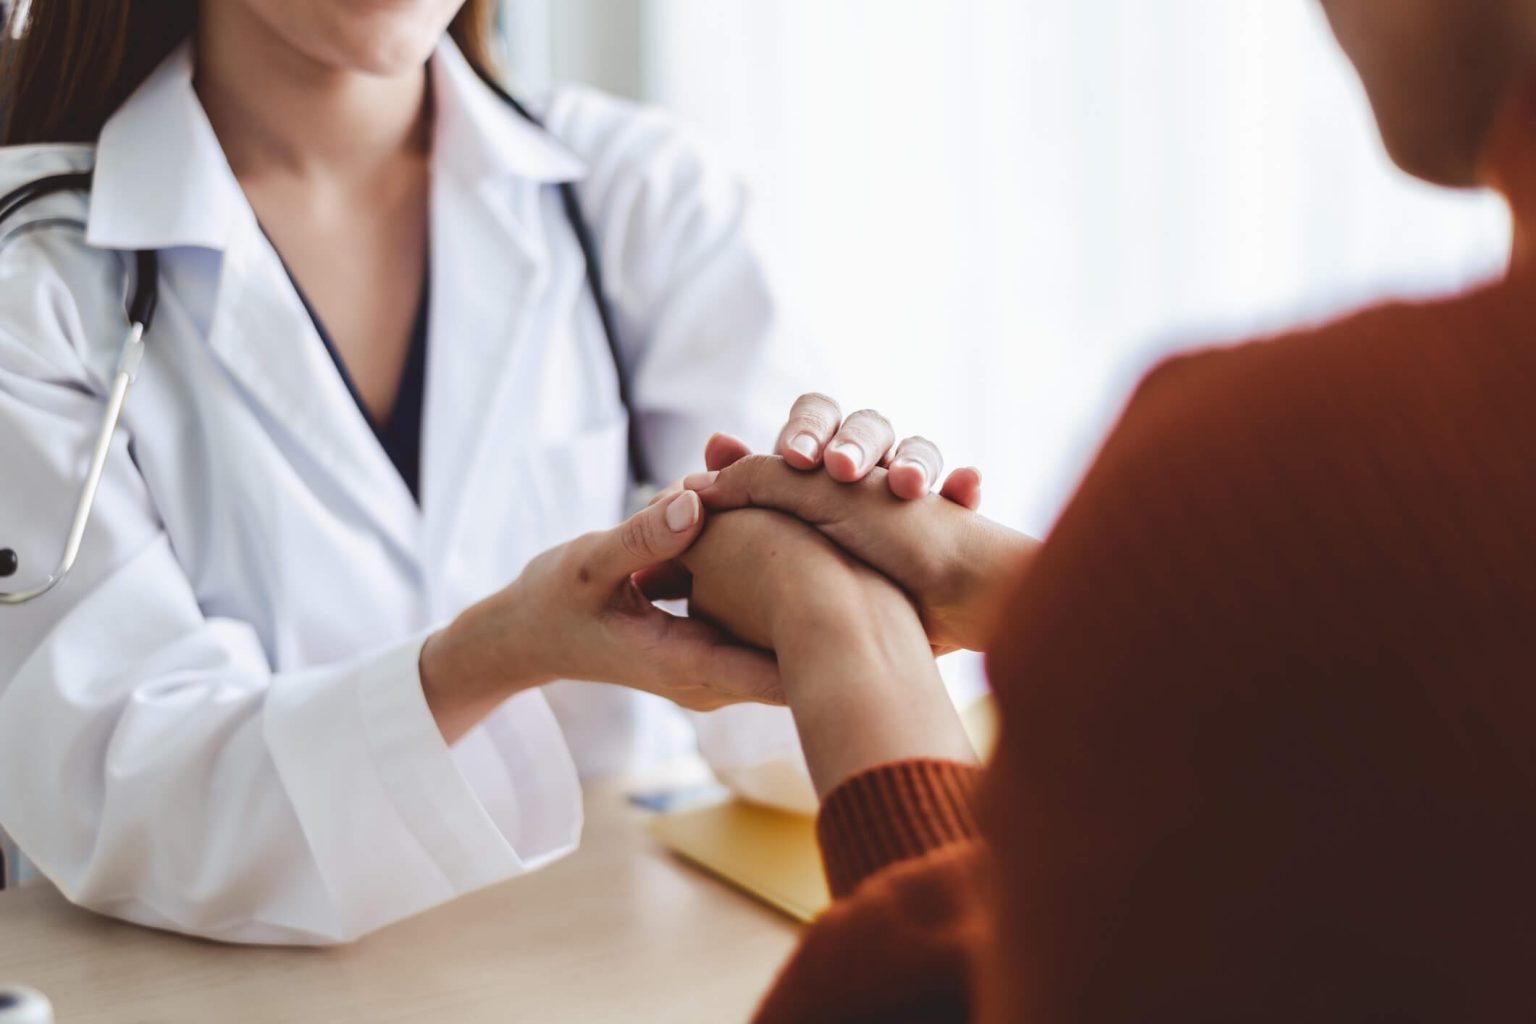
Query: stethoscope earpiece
(9, 563)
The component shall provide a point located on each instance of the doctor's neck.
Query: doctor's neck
(277, 109)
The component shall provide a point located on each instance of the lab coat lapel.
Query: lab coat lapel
(265, 338)
(493, 171)
(489, 275)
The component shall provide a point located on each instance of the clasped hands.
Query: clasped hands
(854, 577)
(824, 576)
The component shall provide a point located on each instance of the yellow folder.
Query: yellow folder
(770, 854)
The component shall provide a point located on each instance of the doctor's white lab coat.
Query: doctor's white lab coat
(215, 725)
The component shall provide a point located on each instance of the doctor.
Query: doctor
(360, 514)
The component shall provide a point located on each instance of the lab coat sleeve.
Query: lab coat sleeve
(708, 345)
(152, 764)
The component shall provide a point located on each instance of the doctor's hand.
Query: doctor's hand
(817, 435)
(576, 613)
(955, 564)
(853, 657)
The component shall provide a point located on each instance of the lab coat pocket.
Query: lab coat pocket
(530, 497)
(579, 482)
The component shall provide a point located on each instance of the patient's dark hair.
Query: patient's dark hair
(66, 65)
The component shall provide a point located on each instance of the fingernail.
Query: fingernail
(699, 481)
(805, 444)
(683, 512)
(850, 451)
(922, 470)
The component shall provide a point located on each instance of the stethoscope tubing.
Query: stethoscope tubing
(140, 311)
(129, 356)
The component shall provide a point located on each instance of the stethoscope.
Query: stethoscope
(140, 312)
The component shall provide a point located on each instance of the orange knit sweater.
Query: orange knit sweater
(1269, 707)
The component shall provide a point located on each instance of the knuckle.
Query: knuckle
(917, 447)
(757, 474)
(758, 464)
(753, 467)
(872, 421)
(816, 398)
(816, 411)
(635, 537)
(768, 481)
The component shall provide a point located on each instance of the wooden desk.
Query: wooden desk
(619, 931)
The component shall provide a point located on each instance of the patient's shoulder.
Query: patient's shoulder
(1267, 493)
(1372, 383)
(1399, 435)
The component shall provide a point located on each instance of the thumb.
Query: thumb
(724, 450)
(650, 537)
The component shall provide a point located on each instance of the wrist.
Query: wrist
(865, 691)
(990, 560)
(477, 661)
(869, 633)
(829, 612)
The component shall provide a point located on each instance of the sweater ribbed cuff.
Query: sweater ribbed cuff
(892, 813)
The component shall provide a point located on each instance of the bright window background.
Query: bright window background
(992, 215)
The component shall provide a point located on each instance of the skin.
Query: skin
(1436, 72)
(850, 646)
(954, 564)
(576, 612)
(323, 111)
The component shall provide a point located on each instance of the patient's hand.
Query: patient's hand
(762, 574)
(955, 563)
(852, 653)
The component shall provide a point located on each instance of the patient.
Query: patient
(1268, 691)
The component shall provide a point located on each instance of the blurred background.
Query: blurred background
(989, 217)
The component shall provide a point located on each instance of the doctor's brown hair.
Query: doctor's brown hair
(66, 65)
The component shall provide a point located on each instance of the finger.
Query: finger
(766, 481)
(813, 420)
(723, 450)
(860, 444)
(650, 537)
(915, 467)
(710, 659)
(667, 582)
(963, 488)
